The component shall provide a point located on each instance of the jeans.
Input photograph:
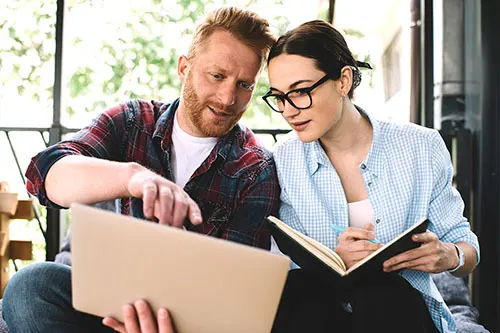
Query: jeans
(38, 299)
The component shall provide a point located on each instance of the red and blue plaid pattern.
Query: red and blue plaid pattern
(236, 187)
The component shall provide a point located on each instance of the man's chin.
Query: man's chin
(213, 127)
(215, 131)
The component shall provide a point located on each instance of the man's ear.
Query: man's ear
(345, 80)
(182, 67)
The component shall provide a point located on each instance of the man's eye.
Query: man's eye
(247, 86)
(217, 76)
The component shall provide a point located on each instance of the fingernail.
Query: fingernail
(162, 312)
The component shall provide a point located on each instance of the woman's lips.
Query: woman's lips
(300, 125)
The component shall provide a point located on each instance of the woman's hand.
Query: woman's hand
(433, 256)
(354, 245)
(139, 318)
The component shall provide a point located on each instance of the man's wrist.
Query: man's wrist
(130, 170)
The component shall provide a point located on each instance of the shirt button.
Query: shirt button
(370, 184)
(377, 221)
(363, 166)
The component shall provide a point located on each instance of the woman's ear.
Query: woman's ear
(345, 80)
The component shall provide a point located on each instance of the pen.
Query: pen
(341, 229)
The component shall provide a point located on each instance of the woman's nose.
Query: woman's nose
(289, 111)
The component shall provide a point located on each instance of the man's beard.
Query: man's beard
(195, 111)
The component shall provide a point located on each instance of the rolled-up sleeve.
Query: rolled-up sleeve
(446, 205)
(100, 139)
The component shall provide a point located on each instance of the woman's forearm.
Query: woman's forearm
(470, 259)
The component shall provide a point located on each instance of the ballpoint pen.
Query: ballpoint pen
(341, 229)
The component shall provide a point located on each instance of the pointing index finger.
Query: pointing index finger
(194, 213)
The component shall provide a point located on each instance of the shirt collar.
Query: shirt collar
(164, 127)
(373, 161)
(317, 156)
(227, 143)
(165, 123)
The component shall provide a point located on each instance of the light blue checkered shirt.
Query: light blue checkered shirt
(408, 174)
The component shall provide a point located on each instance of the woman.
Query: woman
(375, 179)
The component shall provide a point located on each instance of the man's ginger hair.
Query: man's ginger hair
(249, 28)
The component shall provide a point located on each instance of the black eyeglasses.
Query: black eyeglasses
(298, 98)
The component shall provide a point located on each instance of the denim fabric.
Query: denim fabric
(38, 299)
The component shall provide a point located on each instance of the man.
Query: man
(188, 160)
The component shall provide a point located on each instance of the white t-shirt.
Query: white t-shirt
(188, 152)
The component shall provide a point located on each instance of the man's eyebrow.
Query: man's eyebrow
(224, 72)
(293, 85)
(217, 68)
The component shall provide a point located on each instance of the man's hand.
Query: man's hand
(433, 256)
(163, 199)
(354, 245)
(139, 318)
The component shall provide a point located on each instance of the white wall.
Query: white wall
(379, 21)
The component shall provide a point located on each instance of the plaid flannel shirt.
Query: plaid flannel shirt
(235, 187)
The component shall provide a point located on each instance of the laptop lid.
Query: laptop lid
(208, 285)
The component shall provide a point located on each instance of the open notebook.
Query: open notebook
(209, 285)
(311, 254)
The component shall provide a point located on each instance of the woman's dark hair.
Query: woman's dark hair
(320, 41)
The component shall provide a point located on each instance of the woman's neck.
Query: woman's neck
(352, 134)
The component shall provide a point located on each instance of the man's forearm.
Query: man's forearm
(88, 180)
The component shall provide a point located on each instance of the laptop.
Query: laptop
(209, 285)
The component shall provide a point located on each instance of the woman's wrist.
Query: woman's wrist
(459, 258)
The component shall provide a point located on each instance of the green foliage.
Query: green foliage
(80, 81)
(26, 49)
(355, 33)
(111, 57)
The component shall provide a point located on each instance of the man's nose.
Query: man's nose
(227, 94)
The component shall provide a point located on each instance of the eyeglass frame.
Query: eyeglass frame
(306, 90)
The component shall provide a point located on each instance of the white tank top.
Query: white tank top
(360, 213)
